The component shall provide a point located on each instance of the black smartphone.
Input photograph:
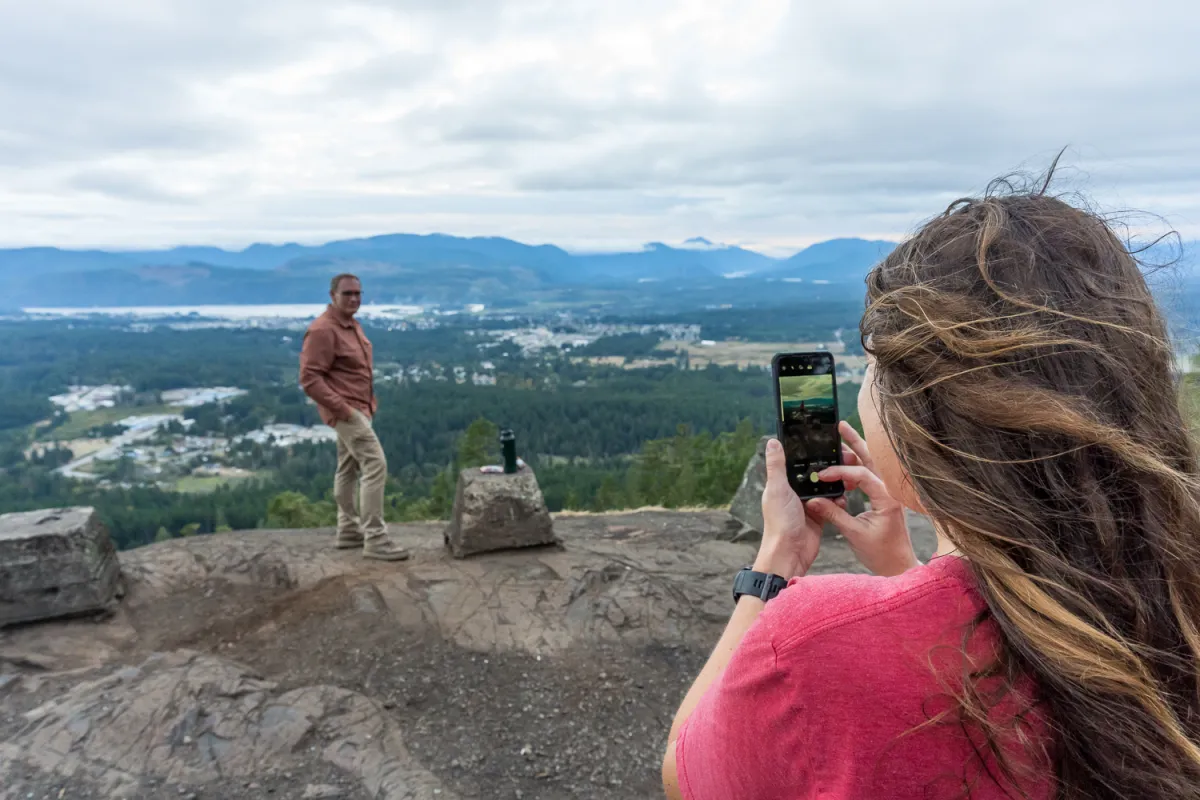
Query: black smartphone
(806, 412)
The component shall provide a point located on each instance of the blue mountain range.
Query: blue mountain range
(434, 267)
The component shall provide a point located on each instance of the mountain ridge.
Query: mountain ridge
(414, 267)
(264, 255)
(442, 268)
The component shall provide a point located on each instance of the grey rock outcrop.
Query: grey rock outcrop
(182, 718)
(55, 563)
(268, 664)
(498, 512)
(746, 507)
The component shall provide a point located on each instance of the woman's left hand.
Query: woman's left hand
(791, 538)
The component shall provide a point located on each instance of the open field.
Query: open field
(82, 421)
(78, 447)
(755, 354)
(620, 361)
(203, 484)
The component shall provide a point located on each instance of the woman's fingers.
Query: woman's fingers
(857, 444)
(861, 478)
(848, 457)
(825, 510)
(776, 465)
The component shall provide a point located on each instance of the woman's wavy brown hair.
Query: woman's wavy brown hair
(1026, 381)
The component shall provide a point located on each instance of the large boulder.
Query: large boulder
(495, 511)
(55, 564)
(746, 508)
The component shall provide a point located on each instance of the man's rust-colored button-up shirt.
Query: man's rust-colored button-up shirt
(337, 367)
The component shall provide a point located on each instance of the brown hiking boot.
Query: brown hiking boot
(349, 541)
(383, 549)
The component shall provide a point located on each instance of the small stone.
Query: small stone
(321, 791)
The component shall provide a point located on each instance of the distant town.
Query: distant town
(158, 444)
(113, 436)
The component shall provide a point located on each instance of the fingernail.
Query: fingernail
(772, 445)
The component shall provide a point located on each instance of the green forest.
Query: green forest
(598, 437)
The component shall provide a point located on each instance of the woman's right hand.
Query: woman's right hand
(879, 537)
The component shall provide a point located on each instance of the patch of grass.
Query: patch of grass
(83, 421)
(203, 484)
(1189, 402)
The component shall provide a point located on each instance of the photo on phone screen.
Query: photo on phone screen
(806, 391)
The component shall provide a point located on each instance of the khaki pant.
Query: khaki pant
(360, 457)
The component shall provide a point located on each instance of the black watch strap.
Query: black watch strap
(758, 584)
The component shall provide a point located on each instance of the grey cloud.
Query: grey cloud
(84, 80)
(505, 131)
(124, 185)
(490, 158)
(543, 103)
(315, 205)
(382, 75)
(860, 117)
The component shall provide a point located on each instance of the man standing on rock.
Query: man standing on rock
(337, 372)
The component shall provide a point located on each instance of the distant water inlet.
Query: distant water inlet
(280, 311)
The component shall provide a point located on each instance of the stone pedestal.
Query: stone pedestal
(55, 563)
(746, 508)
(498, 512)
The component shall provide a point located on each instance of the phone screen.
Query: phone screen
(806, 391)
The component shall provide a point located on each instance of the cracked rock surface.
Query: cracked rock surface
(267, 664)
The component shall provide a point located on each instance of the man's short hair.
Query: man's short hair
(337, 279)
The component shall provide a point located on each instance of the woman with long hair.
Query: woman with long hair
(1020, 392)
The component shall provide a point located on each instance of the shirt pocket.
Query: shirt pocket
(350, 353)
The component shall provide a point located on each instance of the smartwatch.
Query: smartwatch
(759, 584)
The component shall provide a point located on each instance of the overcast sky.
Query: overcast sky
(592, 124)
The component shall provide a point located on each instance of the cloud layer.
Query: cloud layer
(595, 125)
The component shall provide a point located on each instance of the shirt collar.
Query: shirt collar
(345, 322)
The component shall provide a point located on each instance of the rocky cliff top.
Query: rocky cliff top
(267, 664)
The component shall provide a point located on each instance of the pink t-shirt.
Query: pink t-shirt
(824, 693)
